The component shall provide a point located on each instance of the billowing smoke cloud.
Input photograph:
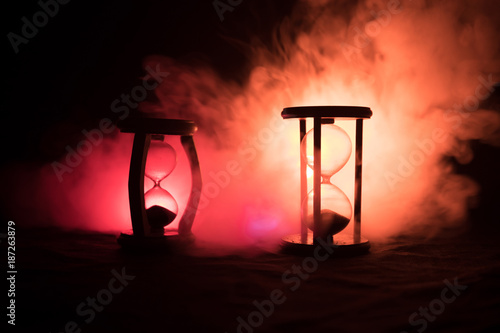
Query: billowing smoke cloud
(423, 67)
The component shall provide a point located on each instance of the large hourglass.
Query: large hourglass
(153, 160)
(326, 210)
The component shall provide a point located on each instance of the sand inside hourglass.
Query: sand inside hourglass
(331, 222)
(159, 216)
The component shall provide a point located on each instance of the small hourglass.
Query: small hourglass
(336, 209)
(154, 159)
(161, 207)
(326, 210)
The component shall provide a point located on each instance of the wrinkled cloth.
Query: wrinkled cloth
(210, 290)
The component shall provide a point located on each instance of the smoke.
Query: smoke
(423, 67)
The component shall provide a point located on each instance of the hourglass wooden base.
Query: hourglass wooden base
(343, 245)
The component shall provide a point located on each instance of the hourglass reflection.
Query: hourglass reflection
(326, 210)
(154, 158)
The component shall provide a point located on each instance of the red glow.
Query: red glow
(159, 197)
(250, 157)
(261, 221)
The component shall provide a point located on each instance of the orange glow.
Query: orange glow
(336, 148)
(412, 74)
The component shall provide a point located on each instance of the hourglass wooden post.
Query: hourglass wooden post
(317, 181)
(148, 222)
(357, 180)
(326, 210)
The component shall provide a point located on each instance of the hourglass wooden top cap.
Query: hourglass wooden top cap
(158, 126)
(348, 112)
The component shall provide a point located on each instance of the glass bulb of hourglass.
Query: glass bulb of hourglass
(336, 149)
(161, 207)
(336, 209)
(161, 160)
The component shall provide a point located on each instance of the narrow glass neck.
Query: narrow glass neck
(326, 179)
(156, 181)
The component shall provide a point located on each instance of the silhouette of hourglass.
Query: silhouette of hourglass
(152, 208)
(161, 207)
(326, 210)
(336, 209)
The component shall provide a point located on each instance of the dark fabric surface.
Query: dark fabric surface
(207, 289)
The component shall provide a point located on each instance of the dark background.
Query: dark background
(64, 80)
